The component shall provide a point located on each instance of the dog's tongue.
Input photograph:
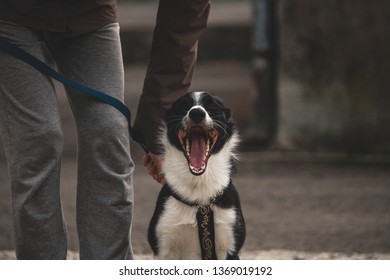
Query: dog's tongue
(198, 151)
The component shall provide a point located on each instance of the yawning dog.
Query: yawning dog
(198, 213)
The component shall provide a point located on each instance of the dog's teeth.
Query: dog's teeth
(208, 147)
(188, 147)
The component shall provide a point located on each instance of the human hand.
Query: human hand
(153, 164)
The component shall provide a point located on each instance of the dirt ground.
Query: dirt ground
(310, 206)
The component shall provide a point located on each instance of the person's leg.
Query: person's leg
(105, 191)
(32, 136)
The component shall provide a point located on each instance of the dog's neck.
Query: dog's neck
(195, 203)
(203, 187)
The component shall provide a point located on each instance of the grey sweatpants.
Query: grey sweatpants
(31, 130)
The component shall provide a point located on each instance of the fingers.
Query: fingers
(153, 164)
(150, 166)
(146, 160)
(157, 161)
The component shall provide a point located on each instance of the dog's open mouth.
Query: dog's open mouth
(197, 143)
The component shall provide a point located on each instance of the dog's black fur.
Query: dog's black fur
(199, 141)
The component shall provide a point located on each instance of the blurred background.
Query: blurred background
(307, 82)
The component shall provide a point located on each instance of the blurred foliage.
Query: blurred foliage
(339, 52)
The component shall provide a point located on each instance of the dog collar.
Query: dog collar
(212, 201)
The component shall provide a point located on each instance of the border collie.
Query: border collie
(198, 213)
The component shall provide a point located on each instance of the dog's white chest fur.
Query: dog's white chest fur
(178, 232)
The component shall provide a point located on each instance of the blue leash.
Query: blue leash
(45, 69)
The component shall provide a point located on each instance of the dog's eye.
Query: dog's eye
(186, 103)
(213, 105)
(218, 111)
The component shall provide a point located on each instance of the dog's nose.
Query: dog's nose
(197, 115)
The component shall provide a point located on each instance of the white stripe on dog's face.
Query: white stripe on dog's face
(197, 96)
